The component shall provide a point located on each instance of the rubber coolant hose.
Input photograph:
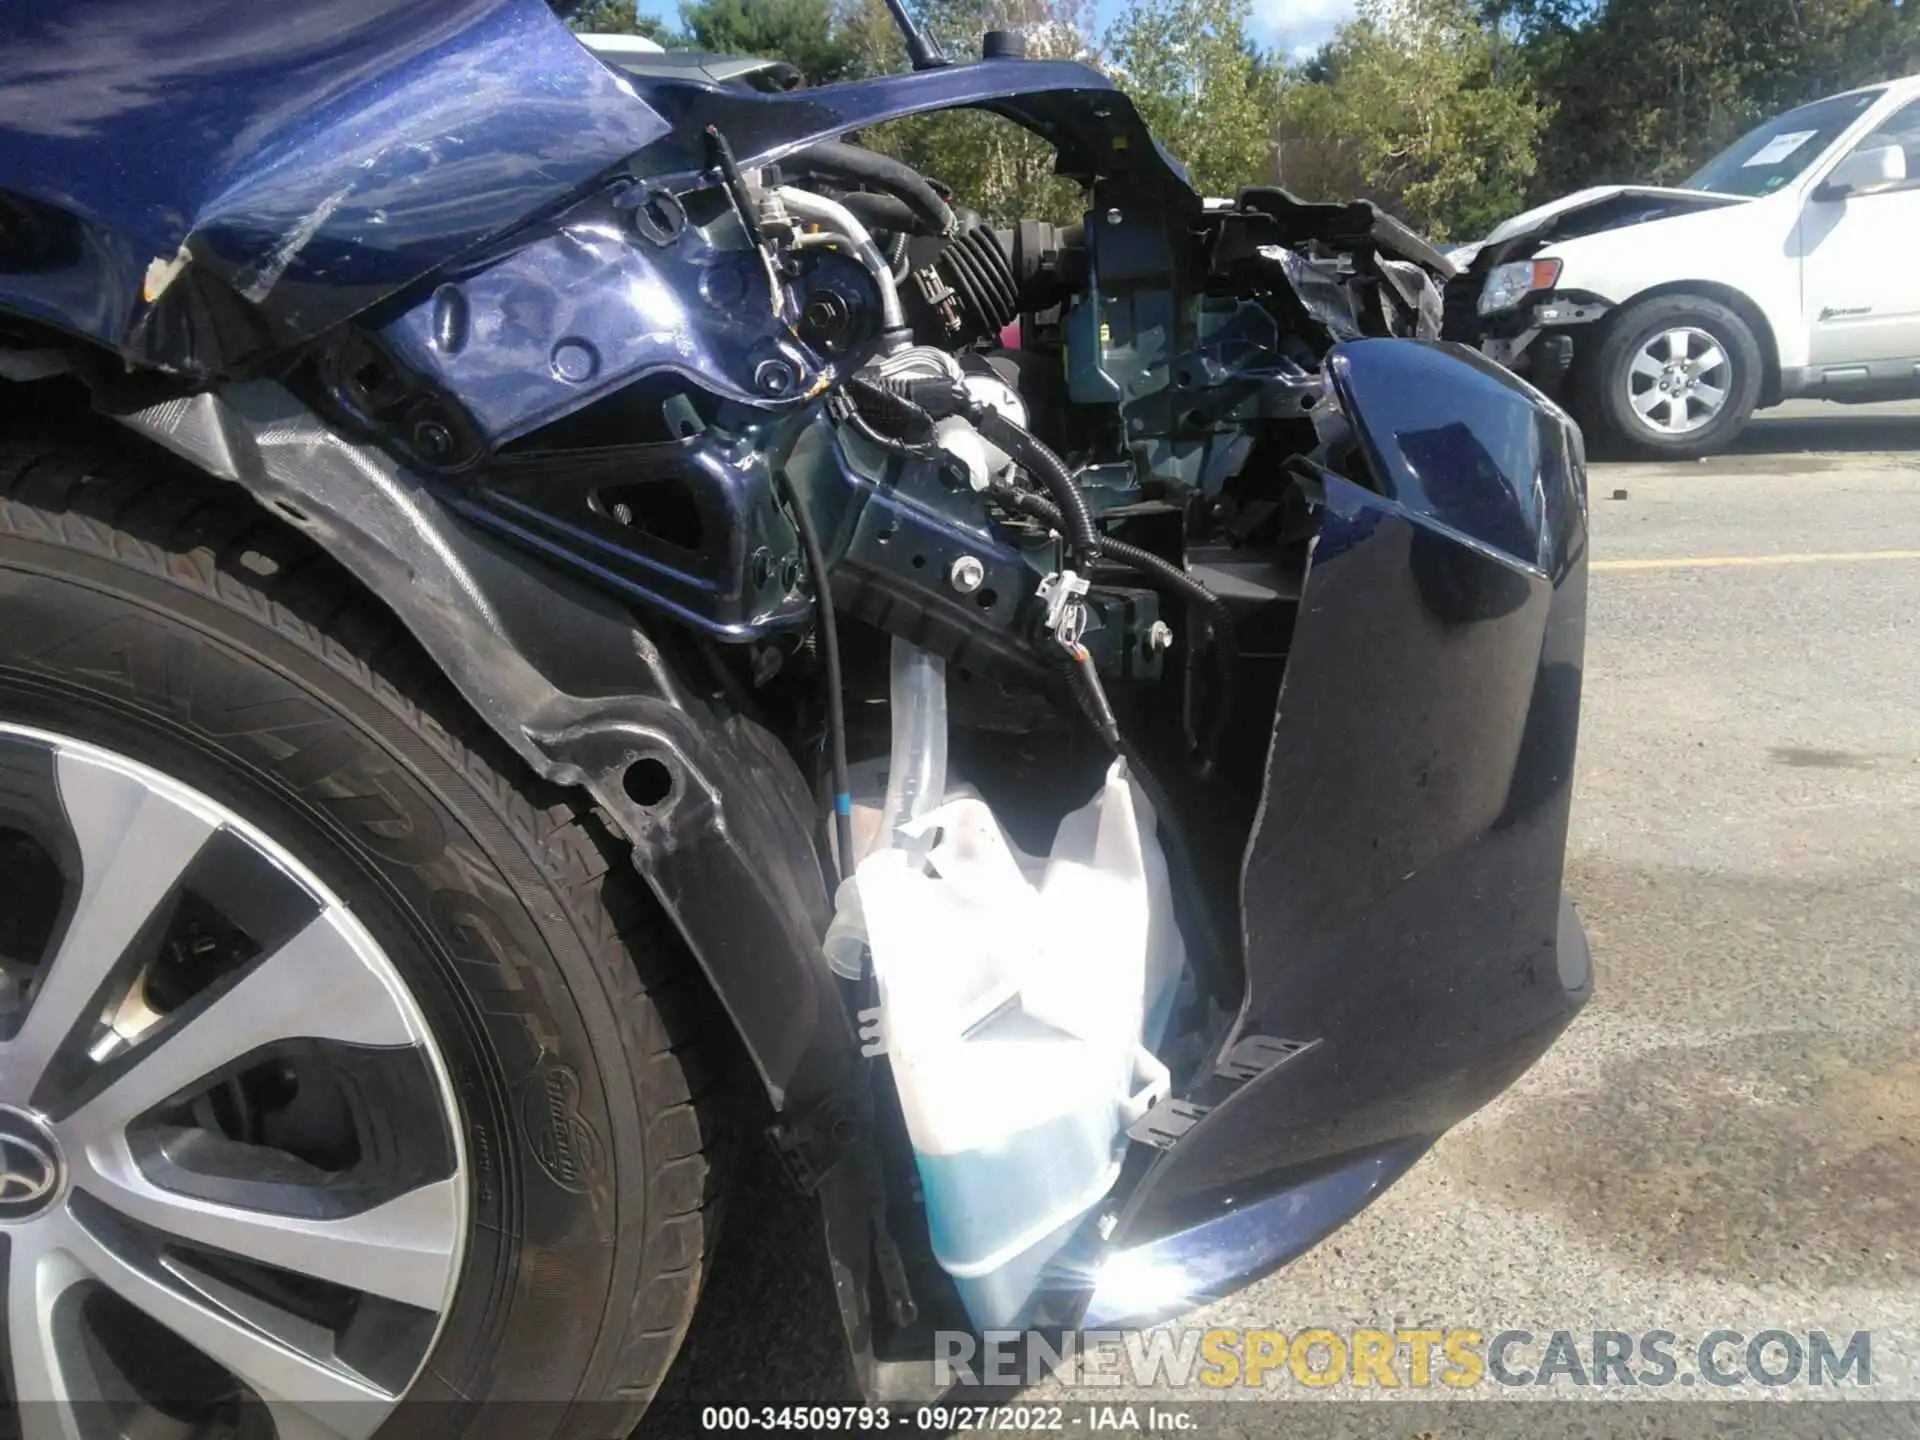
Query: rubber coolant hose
(883, 212)
(882, 172)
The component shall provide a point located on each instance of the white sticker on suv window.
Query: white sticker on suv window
(1778, 148)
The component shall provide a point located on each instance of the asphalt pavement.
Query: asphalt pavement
(1729, 1136)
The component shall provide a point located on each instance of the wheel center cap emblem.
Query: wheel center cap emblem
(30, 1167)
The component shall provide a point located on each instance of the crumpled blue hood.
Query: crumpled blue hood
(196, 183)
(310, 157)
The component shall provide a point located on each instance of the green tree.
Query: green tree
(1202, 86)
(992, 164)
(620, 17)
(1424, 109)
(801, 32)
(1648, 89)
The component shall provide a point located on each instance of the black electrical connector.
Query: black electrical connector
(1224, 640)
(913, 403)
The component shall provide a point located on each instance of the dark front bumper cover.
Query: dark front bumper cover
(1402, 886)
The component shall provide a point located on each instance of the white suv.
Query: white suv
(1788, 265)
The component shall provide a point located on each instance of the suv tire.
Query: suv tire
(1674, 377)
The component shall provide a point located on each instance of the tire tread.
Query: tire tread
(1595, 404)
(115, 497)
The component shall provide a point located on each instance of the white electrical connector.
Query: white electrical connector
(774, 218)
(1062, 593)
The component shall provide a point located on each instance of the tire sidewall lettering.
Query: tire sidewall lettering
(147, 668)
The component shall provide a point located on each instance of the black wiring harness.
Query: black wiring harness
(836, 687)
(899, 413)
(912, 404)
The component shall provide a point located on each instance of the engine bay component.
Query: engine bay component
(968, 291)
(866, 410)
(1017, 1017)
(842, 227)
(919, 201)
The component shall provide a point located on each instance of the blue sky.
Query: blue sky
(1293, 27)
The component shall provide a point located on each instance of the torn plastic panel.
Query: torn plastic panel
(1406, 926)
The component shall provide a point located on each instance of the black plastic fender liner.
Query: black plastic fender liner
(718, 814)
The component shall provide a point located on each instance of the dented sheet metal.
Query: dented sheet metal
(282, 167)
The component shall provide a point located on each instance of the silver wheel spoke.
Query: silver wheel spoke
(37, 1277)
(134, 843)
(321, 985)
(1644, 364)
(317, 985)
(403, 1250)
(274, 1371)
(178, 1161)
(1663, 381)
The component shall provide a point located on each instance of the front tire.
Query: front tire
(366, 1071)
(1675, 377)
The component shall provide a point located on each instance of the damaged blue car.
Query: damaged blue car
(562, 616)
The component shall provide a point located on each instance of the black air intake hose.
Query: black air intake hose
(982, 276)
(967, 292)
(879, 172)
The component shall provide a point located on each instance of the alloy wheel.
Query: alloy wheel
(1679, 380)
(231, 1176)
